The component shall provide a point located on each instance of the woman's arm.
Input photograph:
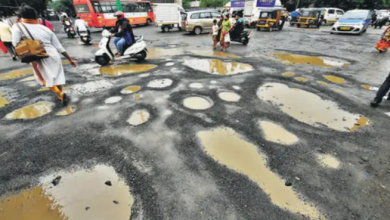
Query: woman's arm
(72, 61)
(56, 43)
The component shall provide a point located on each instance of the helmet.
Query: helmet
(120, 15)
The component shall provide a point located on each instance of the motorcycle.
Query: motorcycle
(104, 55)
(69, 29)
(243, 38)
(85, 37)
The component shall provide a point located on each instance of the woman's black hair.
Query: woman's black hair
(28, 12)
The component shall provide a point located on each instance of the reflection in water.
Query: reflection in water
(3, 101)
(213, 53)
(218, 67)
(335, 79)
(35, 110)
(294, 102)
(15, 74)
(228, 148)
(131, 89)
(277, 134)
(197, 103)
(139, 117)
(327, 160)
(361, 122)
(311, 60)
(67, 110)
(118, 70)
(229, 96)
(301, 79)
(288, 74)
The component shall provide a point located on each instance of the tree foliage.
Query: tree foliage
(211, 3)
(63, 6)
(186, 3)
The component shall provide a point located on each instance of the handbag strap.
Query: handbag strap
(28, 31)
(18, 25)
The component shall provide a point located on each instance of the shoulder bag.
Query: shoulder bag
(29, 49)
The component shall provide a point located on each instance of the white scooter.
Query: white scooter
(104, 55)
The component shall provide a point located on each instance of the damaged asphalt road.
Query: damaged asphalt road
(279, 129)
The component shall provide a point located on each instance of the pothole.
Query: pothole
(327, 160)
(335, 79)
(160, 83)
(310, 60)
(229, 96)
(131, 89)
(322, 83)
(196, 85)
(3, 101)
(288, 74)
(35, 110)
(91, 87)
(277, 133)
(113, 100)
(213, 53)
(301, 79)
(170, 64)
(294, 102)
(218, 67)
(197, 103)
(118, 70)
(139, 117)
(67, 110)
(15, 74)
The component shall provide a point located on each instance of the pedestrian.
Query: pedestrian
(18, 17)
(214, 33)
(6, 38)
(384, 43)
(48, 72)
(220, 29)
(385, 87)
(44, 22)
(226, 27)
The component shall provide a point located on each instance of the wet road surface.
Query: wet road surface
(278, 129)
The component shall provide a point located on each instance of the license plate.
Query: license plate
(345, 28)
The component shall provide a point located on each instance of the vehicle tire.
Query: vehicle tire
(148, 22)
(308, 25)
(291, 23)
(180, 29)
(323, 22)
(165, 28)
(102, 60)
(298, 25)
(245, 41)
(141, 56)
(258, 29)
(197, 30)
(280, 28)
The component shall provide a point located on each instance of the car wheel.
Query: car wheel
(258, 29)
(102, 60)
(197, 30)
(298, 25)
(141, 56)
(148, 22)
(164, 28)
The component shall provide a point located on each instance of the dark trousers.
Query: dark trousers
(10, 48)
(385, 87)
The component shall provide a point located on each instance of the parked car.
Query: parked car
(52, 15)
(200, 21)
(331, 15)
(353, 22)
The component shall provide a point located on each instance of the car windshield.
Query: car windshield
(355, 15)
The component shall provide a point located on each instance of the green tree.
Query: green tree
(63, 6)
(211, 3)
(186, 3)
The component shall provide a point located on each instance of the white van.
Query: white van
(168, 16)
(331, 15)
(252, 12)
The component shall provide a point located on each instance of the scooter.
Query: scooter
(69, 29)
(243, 37)
(104, 55)
(85, 38)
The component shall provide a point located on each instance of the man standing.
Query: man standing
(385, 87)
(6, 38)
(81, 25)
(123, 33)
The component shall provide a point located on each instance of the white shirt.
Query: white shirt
(81, 25)
(215, 30)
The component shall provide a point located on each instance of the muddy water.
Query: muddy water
(160, 83)
(113, 100)
(197, 103)
(3, 101)
(229, 96)
(322, 83)
(288, 74)
(211, 53)
(327, 160)
(35, 110)
(311, 60)
(80, 189)
(368, 87)
(294, 102)
(301, 79)
(277, 133)
(361, 122)
(32, 204)
(335, 79)
(137, 96)
(217, 67)
(131, 89)
(15, 74)
(30, 78)
(67, 110)
(118, 70)
(228, 148)
(163, 53)
(139, 117)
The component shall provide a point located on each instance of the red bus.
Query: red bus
(99, 13)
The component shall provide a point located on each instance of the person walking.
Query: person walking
(48, 72)
(6, 38)
(226, 27)
(385, 87)
(214, 33)
(44, 22)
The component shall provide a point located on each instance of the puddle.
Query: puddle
(160, 83)
(322, 83)
(310, 60)
(137, 96)
(294, 102)
(301, 79)
(211, 53)
(30, 78)
(118, 70)
(338, 90)
(163, 53)
(144, 75)
(327, 160)
(131, 89)
(15, 74)
(139, 117)
(3, 101)
(197, 103)
(236, 87)
(277, 133)
(217, 67)
(228, 148)
(35, 110)
(83, 194)
(196, 86)
(113, 100)
(368, 87)
(335, 79)
(229, 96)
(67, 110)
(170, 64)
(361, 122)
(288, 74)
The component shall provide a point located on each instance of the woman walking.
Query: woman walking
(226, 27)
(48, 72)
(6, 38)
(384, 42)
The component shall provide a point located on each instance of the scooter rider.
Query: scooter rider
(66, 22)
(81, 25)
(238, 26)
(123, 33)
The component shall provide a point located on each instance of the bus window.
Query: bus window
(148, 7)
(82, 8)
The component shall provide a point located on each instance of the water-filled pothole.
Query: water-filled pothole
(288, 74)
(197, 103)
(113, 100)
(67, 110)
(301, 79)
(160, 83)
(3, 101)
(118, 70)
(218, 67)
(139, 117)
(131, 89)
(335, 79)
(15, 74)
(35, 110)
(277, 133)
(327, 160)
(311, 60)
(229, 96)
